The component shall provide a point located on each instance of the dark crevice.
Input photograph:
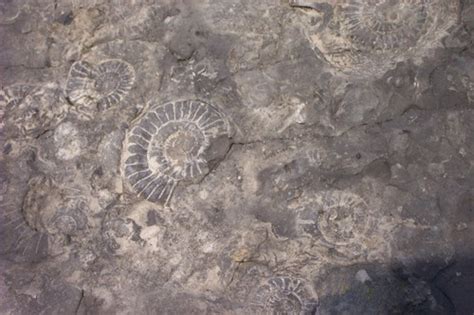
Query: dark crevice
(81, 299)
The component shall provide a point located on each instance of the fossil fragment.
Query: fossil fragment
(103, 85)
(14, 94)
(119, 233)
(9, 12)
(68, 141)
(170, 144)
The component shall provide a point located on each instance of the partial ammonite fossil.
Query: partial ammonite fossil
(20, 241)
(284, 295)
(171, 143)
(54, 210)
(385, 24)
(14, 94)
(11, 96)
(371, 35)
(9, 12)
(28, 110)
(103, 85)
(339, 217)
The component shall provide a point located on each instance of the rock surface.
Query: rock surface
(236, 157)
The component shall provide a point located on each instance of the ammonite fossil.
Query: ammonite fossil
(9, 12)
(339, 217)
(29, 110)
(54, 210)
(69, 218)
(170, 143)
(384, 24)
(20, 241)
(14, 94)
(284, 295)
(103, 85)
(371, 35)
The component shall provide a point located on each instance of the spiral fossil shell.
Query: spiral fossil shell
(168, 144)
(105, 84)
(28, 110)
(369, 36)
(340, 218)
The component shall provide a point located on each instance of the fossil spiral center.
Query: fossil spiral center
(340, 215)
(107, 83)
(339, 223)
(181, 146)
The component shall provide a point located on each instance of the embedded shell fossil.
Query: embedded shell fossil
(339, 217)
(28, 110)
(168, 144)
(285, 295)
(370, 36)
(105, 84)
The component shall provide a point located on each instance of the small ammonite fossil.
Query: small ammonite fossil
(371, 35)
(284, 295)
(103, 85)
(340, 217)
(69, 218)
(171, 143)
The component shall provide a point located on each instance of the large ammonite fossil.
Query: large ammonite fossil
(103, 85)
(371, 35)
(170, 143)
(284, 295)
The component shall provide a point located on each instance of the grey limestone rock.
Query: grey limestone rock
(236, 157)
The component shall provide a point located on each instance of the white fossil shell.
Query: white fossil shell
(369, 36)
(29, 110)
(168, 145)
(103, 85)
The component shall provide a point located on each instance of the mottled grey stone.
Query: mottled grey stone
(236, 157)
